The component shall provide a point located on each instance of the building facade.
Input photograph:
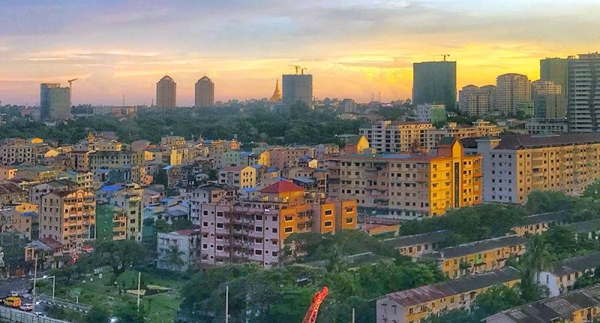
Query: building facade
(549, 100)
(166, 93)
(435, 83)
(298, 87)
(433, 113)
(511, 90)
(69, 217)
(182, 244)
(476, 101)
(516, 165)
(204, 93)
(408, 186)
(583, 109)
(398, 137)
(55, 102)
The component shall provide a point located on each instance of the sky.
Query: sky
(353, 48)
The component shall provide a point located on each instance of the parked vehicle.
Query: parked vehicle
(28, 307)
(12, 301)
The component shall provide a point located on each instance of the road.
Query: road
(21, 285)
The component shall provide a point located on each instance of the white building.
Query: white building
(561, 278)
(584, 98)
(431, 113)
(476, 101)
(180, 244)
(395, 137)
(547, 126)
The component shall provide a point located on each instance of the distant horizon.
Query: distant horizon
(353, 48)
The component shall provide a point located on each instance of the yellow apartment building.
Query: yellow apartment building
(409, 186)
(416, 245)
(69, 217)
(417, 304)
(538, 223)
(238, 176)
(579, 306)
(128, 215)
(477, 257)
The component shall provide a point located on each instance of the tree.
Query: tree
(121, 255)
(129, 313)
(497, 299)
(173, 257)
(537, 256)
(97, 315)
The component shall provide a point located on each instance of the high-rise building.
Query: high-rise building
(511, 90)
(548, 100)
(476, 101)
(55, 102)
(435, 83)
(555, 70)
(166, 93)
(298, 87)
(583, 108)
(205, 92)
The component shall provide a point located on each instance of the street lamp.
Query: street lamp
(53, 284)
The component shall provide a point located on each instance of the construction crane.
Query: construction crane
(446, 55)
(71, 82)
(313, 310)
(299, 68)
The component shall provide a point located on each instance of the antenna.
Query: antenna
(123, 100)
(446, 55)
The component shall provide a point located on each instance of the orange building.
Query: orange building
(254, 229)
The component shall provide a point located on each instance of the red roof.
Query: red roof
(188, 232)
(282, 187)
(51, 243)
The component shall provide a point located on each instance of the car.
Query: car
(27, 307)
(39, 313)
(13, 293)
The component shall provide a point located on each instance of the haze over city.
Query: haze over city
(353, 48)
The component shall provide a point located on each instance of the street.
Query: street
(22, 285)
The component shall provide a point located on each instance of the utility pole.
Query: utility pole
(353, 314)
(139, 287)
(34, 277)
(227, 304)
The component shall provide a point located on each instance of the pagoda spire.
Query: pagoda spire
(277, 93)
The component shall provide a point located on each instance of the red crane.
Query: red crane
(313, 310)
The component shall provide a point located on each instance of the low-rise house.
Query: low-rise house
(477, 257)
(538, 223)
(177, 250)
(415, 305)
(586, 229)
(11, 193)
(561, 277)
(418, 244)
(579, 306)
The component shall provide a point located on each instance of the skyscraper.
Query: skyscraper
(166, 93)
(55, 102)
(548, 100)
(476, 101)
(583, 108)
(205, 92)
(511, 90)
(298, 87)
(435, 83)
(555, 70)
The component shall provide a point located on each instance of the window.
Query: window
(328, 212)
(328, 224)
(349, 220)
(258, 229)
(288, 230)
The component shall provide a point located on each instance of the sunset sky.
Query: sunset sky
(352, 47)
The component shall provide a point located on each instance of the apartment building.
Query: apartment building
(36, 173)
(580, 306)
(538, 223)
(476, 101)
(11, 193)
(216, 148)
(185, 242)
(23, 152)
(515, 165)
(561, 276)
(417, 304)
(477, 257)
(110, 159)
(22, 218)
(416, 245)
(69, 217)
(398, 137)
(238, 176)
(582, 89)
(253, 230)
(7, 173)
(511, 90)
(82, 180)
(172, 141)
(547, 126)
(128, 214)
(408, 186)
(479, 128)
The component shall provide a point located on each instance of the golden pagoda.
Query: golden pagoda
(277, 94)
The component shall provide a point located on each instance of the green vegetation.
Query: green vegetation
(284, 294)
(254, 123)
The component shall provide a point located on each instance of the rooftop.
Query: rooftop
(514, 142)
(576, 264)
(429, 237)
(585, 226)
(551, 309)
(282, 187)
(478, 247)
(9, 188)
(432, 292)
(542, 218)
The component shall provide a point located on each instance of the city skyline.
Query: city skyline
(352, 48)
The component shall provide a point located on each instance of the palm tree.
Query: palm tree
(537, 256)
(173, 257)
(335, 259)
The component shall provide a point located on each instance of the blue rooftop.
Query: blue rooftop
(168, 167)
(29, 214)
(272, 169)
(250, 189)
(257, 166)
(245, 153)
(304, 180)
(111, 188)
